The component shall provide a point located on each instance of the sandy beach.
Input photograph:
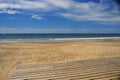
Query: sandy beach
(14, 54)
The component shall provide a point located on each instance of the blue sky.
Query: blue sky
(59, 16)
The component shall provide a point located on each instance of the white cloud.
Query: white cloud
(8, 11)
(36, 4)
(61, 3)
(70, 9)
(92, 11)
(36, 16)
(23, 4)
(90, 17)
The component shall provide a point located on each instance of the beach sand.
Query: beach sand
(14, 54)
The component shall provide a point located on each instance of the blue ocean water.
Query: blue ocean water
(55, 37)
(32, 36)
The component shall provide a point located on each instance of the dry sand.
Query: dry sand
(14, 54)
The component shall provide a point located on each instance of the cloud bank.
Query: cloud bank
(80, 10)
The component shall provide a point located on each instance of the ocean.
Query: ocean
(59, 37)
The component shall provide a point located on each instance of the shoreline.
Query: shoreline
(78, 41)
(52, 40)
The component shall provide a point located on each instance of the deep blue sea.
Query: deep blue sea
(55, 37)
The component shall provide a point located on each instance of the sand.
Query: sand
(15, 54)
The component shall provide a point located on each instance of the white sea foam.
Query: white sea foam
(96, 38)
(58, 39)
